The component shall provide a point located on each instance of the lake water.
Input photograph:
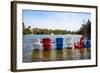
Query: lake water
(28, 43)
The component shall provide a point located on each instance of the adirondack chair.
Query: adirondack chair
(46, 49)
(68, 43)
(36, 43)
(46, 43)
(79, 44)
(36, 50)
(59, 43)
(87, 44)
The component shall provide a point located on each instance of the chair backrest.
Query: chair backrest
(36, 43)
(46, 43)
(59, 40)
(46, 40)
(68, 41)
(79, 44)
(59, 43)
(82, 39)
(87, 44)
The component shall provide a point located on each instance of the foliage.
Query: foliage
(85, 30)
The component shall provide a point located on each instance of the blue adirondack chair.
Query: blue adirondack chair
(59, 43)
(87, 44)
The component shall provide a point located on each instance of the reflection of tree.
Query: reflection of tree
(85, 30)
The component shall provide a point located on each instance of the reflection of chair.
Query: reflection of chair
(87, 44)
(59, 43)
(79, 44)
(46, 43)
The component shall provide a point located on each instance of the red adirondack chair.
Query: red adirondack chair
(80, 44)
(46, 43)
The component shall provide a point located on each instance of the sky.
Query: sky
(55, 20)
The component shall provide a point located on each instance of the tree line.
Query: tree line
(85, 30)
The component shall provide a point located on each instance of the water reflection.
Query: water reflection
(56, 55)
(36, 51)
